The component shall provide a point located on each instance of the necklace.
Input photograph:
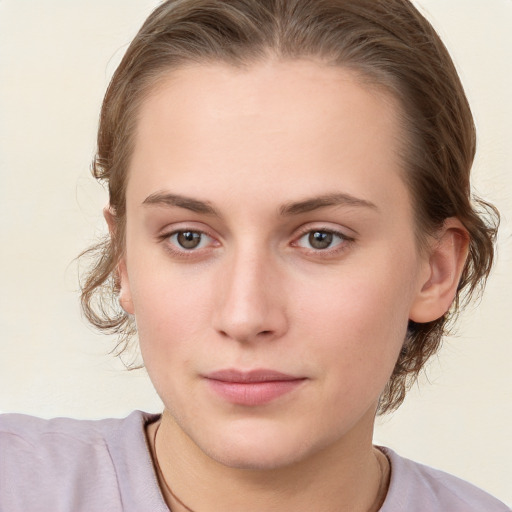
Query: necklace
(162, 477)
(382, 460)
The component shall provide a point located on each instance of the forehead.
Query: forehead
(298, 124)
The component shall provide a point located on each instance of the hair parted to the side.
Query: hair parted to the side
(389, 44)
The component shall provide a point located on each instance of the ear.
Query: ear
(445, 263)
(124, 296)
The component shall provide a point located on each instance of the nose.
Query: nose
(250, 305)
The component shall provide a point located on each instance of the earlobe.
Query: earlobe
(124, 296)
(445, 265)
(110, 217)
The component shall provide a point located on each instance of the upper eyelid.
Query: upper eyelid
(171, 230)
(341, 236)
(322, 230)
(347, 233)
(184, 230)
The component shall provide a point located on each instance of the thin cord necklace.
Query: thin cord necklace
(160, 472)
(381, 493)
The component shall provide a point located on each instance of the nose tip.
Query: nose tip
(245, 333)
(250, 306)
(244, 319)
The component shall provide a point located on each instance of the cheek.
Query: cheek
(171, 318)
(358, 321)
(171, 310)
(357, 350)
(356, 326)
(358, 299)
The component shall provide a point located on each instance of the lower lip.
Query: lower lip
(253, 393)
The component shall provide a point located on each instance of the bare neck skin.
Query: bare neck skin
(350, 476)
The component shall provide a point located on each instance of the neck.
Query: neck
(349, 475)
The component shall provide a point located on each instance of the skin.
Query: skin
(248, 144)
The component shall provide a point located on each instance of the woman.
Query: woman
(291, 228)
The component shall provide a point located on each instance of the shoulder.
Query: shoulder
(54, 464)
(27, 429)
(61, 438)
(414, 486)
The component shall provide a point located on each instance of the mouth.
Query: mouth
(252, 388)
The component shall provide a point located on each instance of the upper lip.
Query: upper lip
(259, 375)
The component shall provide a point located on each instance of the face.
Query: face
(271, 262)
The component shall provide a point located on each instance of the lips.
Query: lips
(252, 388)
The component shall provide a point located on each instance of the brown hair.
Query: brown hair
(390, 44)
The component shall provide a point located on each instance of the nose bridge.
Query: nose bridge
(250, 306)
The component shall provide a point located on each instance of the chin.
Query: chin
(260, 451)
(255, 458)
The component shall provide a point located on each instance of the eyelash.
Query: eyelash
(344, 242)
(173, 249)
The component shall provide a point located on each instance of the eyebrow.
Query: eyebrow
(324, 201)
(168, 199)
(288, 209)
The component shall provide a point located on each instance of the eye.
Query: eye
(189, 240)
(320, 239)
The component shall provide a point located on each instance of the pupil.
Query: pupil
(320, 239)
(189, 239)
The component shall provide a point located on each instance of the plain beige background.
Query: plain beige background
(56, 58)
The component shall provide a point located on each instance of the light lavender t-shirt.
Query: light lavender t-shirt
(66, 465)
